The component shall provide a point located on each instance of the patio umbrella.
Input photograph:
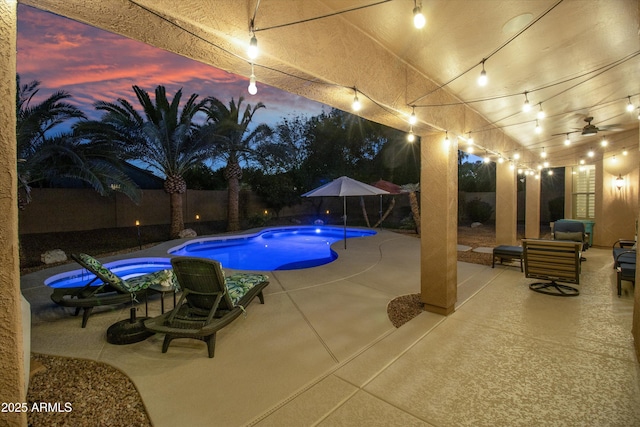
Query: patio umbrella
(343, 187)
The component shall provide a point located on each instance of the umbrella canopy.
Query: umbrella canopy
(388, 186)
(345, 186)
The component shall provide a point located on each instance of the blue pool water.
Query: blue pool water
(125, 269)
(287, 248)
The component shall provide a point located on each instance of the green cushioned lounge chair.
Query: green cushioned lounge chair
(113, 290)
(209, 302)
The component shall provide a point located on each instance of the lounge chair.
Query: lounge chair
(113, 290)
(209, 301)
(626, 247)
(552, 261)
(573, 231)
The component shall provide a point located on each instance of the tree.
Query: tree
(46, 157)
(228, 128)
(412, 189)
(163, 137)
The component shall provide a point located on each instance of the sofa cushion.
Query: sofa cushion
(574, 236)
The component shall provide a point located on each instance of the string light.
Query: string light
(412, 118)
(252, 50)
(519, 171)
(604, 142)
(356, 102)
(624, 151)
(545, 164)
(543, 154)
(630, 106)
(512, 166)
(483, 79)
(591, 153)
(538, 128)
(419, 20)
(486, 158)
(516, 155)
(470, 139)
(549, 172)
(526, 107)
(411, 136)
(541, 114)
(500, 159)
(582, 161)
(446, 138)
(253, 89)
(567, 141)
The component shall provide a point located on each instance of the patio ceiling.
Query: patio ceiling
(577, 58)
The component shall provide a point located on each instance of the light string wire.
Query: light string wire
(273, 27)
(495, 51)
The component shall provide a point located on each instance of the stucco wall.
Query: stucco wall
(12, 368)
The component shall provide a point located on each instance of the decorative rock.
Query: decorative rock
(476, 224)
(187, 232)
(53, 256)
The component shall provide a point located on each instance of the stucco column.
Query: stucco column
(12, 379)
(506, 205)
(439, 224)
(532, 208)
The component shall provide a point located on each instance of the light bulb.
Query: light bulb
(483, 79)
(253, 89)
(252, 50)
(630, 106)
(486, 159)
(470, 140)
(539, 167)
(545, 164)
(412, 118)
(567, 141)
(582, 161)
(516, 155)
(526, 107)
(543, 154)
(470, 149)
(624, 152)
(356, 103)
(550, 172)
(512, 166)
(411, 137)
(446, 138)
(537, 176)
(419, 20)
(538, 128)
(591, 153)
(541, 114)
(614, 159)
(519, 171)
(604, 142)
(500, 159)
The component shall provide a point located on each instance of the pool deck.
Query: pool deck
(322, 351)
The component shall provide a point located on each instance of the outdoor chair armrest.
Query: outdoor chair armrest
(624, 243)
(627, 260)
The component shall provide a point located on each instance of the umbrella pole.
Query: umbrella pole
(344, 210)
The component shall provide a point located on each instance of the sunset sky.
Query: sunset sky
(93, 65)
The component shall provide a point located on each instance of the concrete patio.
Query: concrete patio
(322, 351)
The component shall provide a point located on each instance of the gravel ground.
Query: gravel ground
(101, 395)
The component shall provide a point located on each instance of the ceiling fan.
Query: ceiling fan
(589, 129)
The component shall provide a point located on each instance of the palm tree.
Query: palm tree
(412, 189)
(228, 127)
(45, 157)
(163, 137)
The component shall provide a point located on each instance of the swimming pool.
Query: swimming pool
(285, 248)
(125, 269)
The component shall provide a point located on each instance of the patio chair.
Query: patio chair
(112, 291)
(209, 301)
(625, 265)
(573, 231)
(552, 261)
(626, 247)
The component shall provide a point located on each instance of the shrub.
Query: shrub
(479, 211)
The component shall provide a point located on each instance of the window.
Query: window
(584, 192)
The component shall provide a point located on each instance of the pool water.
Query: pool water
(287, 248)
(125, 269)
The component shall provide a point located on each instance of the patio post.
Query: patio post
(12, 380)
(438, 224)
(532, 208)
(506, 205)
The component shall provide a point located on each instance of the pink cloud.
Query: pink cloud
(94, 65)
